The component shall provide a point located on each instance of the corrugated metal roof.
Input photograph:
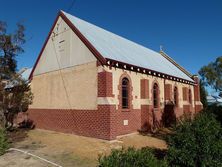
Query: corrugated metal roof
(118, 48)
(213, 99)
(25, 74)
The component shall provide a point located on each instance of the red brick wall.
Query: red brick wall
(134, 121)
(104, 123)
(187, 108)
(93, 123)
(145, 123)
(179, 112)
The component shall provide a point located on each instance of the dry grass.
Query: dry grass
(71, 150)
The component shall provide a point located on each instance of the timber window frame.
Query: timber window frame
(125, 93)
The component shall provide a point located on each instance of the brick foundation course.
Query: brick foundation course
(104, 123)
(92, 123)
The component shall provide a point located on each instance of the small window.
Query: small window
(125, 93)
(190, 97)
(155, 96)
(175, 94)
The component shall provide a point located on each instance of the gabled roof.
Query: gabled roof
(109, 46)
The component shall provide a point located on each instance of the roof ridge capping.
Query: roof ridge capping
(176, 64)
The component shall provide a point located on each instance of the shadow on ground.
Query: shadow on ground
(17, 135)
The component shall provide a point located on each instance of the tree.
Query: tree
(10, 47)
(196, 143)
(211, 74)
(16, 97)
(203, 94)
(15, 93)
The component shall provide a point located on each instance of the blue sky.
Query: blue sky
(189, 30)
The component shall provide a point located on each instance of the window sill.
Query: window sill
(125, 110)
(156, 109)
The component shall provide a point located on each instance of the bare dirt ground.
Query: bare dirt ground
(69, 150)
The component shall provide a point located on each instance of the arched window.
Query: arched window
(190, 97)
(125, 93)
(175, 96)
(155, 96)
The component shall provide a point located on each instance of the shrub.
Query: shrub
(216, 110)
(131, 158)
(196, 143)
(3, 142)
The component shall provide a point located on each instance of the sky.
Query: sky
(190, 31)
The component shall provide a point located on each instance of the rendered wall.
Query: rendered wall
(63, 49)
(66, 74)
(70, 88)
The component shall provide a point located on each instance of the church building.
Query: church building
(91, 82)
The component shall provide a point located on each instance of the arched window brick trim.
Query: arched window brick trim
(130, 89)
(158, 95)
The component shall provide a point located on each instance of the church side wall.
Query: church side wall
(141, 114)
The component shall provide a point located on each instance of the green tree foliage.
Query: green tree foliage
(4, 145)
(131, 157)
(14, 100)
(196, 143)
(216, 110)
(10, 47)
(203, 94)
(211, 74)
(18, 96)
